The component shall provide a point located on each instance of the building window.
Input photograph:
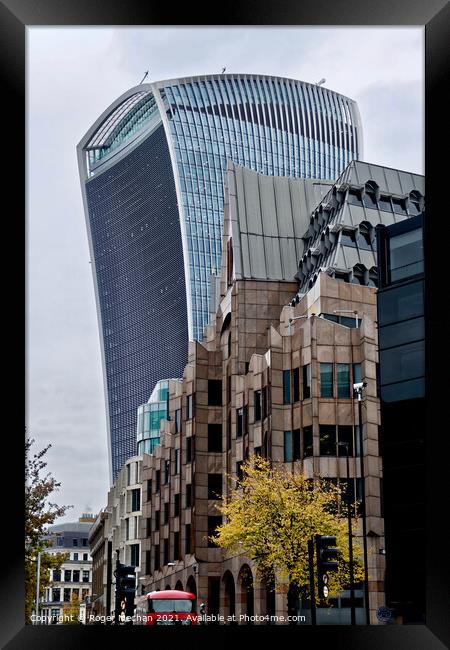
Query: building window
(178, 421)
(177, 461)
(149, 490)
(176, 546)
(213, 522)
(85, 557)
(67, 575)
(286, 386)
(343, 380)
(188, 495)
(214, 437)
(85, 541)
(56, 595)
(369, 200)
(76, 592)
(85, 576)
(357, 373)
(239, 422)
(214, 486)
(74, 542)
(354, 197)
(239, 470)
(157, 519)
(135, 500)
(76, 575)
(189, 449)
(326, 380)
(157, 560)
(296, 455)
(134, 555)
(345, 434)
(187, 539)
(307, 381)
(166, 552)
(327, 440)
(75, 557)
(56, 575)
(158, 480)
(264, 402)
(228, 431)
(214, 392)
(66, 595)
(148, 526)
(257, 405)
(307, 442)
(147, 562)
(287, 446)
(296, 382)
(348, 238)
(189, 407)
(399, 206)
(176, 505)
(405, 255)
(166, 512)
(166, 472)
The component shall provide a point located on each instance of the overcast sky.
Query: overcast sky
(73, 74)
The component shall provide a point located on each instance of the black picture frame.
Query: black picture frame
(15, 16)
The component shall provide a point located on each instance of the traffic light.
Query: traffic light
(125, 588)
(327, 555)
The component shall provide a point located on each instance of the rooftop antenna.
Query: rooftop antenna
(322, 81)
(146, 73)
(223, 70)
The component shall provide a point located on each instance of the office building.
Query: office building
(259, 383)
(401, 325)
(74, 578)
(152, 175)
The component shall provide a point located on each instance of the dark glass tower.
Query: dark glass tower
(152, 173)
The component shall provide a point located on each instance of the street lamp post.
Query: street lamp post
(350, 541)
(358, 389)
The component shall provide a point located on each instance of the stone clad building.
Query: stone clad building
(273, 376)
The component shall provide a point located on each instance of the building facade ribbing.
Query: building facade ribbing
(152, 170)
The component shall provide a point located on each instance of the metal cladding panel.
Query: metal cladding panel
(288, 258)
(393, 181)
(240, 193)
(356, 214)
(258, 267)
(268, 208)
(273, 258)
(137, 246)
(283, 207)
(252, 203)
(246, 267)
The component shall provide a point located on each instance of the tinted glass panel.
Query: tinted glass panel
(369, 200)
(287, 446)
(400, 303)
(399, 206)
(404, 362)
(406, 255)
(401, 333)
(384, 203)
(354, 197)
(403, 391)
(343, 380)
(326, 380)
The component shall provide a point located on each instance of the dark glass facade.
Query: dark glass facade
(402, 394)
(136, 241)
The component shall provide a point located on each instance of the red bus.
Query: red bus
(170, 607)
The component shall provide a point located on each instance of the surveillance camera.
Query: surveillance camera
(360, 385)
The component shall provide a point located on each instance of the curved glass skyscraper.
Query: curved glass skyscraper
(152, 172)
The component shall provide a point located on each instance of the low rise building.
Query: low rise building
(74, 578)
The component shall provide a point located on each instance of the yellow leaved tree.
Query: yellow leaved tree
(272, 513)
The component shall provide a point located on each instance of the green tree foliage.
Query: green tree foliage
(270, 516)
(39, 513)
